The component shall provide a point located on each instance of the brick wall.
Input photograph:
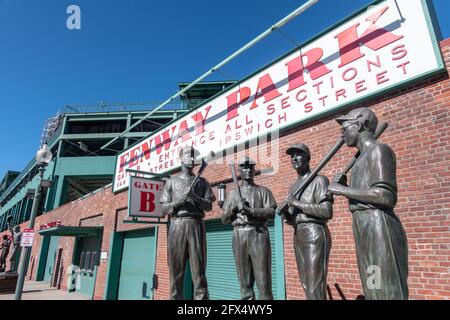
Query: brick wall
(418, 132)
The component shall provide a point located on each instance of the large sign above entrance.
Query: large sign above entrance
(381, 48)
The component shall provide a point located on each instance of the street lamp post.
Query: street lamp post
(43, 158)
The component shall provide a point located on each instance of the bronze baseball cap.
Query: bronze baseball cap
(298, 147)
(246, 161)
(362, 115)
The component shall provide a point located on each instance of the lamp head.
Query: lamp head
(221, 188)
(44, 156)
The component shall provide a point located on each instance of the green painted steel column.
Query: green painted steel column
(279, 254)
(23, 209)
(14, 214)
(59, 194)
(127, 140)
(28, 209)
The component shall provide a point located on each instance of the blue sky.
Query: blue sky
(136, 50)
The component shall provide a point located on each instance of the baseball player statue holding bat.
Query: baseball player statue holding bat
(381, 245)
(309, 212)
(249, 207)
(185, 198)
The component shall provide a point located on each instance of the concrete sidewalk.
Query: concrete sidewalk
(42, 291)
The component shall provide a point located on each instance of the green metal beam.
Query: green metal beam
(86, 166)
(79, 188)
(97, 136)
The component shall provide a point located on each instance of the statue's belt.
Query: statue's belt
(250, 225)
(304, 222)
(199, 218)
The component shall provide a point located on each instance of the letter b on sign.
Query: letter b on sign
(147, 201)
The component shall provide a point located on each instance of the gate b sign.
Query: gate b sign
(143, 198)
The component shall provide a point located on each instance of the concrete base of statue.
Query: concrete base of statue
(8, 282)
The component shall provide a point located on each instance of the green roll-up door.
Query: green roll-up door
(223, 283)
(137, 265)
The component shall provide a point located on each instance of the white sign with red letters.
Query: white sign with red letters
(388, 45)
(143, 198)
(27, 238)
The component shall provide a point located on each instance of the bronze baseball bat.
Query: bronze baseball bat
(235, 181)
(210, 156)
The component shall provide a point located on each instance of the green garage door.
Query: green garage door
(137, 265)
(223, 283)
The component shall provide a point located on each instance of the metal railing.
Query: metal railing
(121, 107)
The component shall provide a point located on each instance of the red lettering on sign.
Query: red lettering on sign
(300, 99)
(147, 202)
(349, 74)
(164, 139)
(381, 77)
(308, 107)
(373, 63)
(317, 85)
(340, 93)
(315, 67)
(134, 154)
(374, 38)
(403, 66)
(233, 103)
(146, 150)
(183, 132)
(123, 162)
(200, 121)
(268, 90)
(359, 86)
(399, 52)
(323, 100)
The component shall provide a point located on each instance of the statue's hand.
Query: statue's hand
(282, 208)
(290, 200)
(185, 193)
(240, 206)
(243, 207)
(247, 210)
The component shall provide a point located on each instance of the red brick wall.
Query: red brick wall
(162, 266)
(418, 132)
